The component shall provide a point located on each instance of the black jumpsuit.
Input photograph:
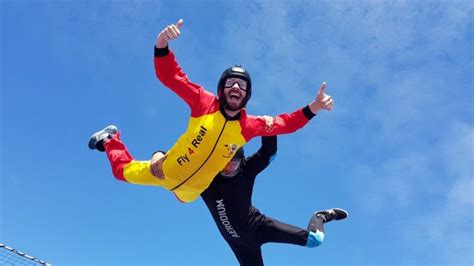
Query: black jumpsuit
(241, 224)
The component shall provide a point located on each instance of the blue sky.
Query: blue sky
(396, 152)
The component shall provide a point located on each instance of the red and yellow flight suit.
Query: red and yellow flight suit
(208, 143)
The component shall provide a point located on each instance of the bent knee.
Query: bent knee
(314, 239)
(118, 172)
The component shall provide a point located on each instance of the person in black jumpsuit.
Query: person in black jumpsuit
(244, 227)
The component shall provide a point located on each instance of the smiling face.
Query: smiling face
(235, 90)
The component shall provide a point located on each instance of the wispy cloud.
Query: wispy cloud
(431, 195)
(126, 25)
(448, 229)
(397, 150)
(401, 76)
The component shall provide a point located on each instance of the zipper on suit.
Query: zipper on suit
(209, 156)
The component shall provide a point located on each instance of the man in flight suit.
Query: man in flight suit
(217, 128)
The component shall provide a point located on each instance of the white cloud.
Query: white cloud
(429, 197)
(449, 229)
(398, 73)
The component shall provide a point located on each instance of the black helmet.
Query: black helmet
(236, 71)
(239, 154)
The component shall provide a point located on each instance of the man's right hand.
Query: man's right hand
(171, 32)
(156, 165)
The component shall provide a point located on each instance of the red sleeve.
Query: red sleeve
(172, 76)
(253, 126)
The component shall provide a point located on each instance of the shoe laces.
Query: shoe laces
(327, 216)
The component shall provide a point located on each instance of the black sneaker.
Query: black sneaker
(96, 142)
(332, 214)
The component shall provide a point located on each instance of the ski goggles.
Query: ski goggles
(231, 81)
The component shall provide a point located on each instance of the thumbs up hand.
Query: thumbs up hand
(170, 32)
(322, 101)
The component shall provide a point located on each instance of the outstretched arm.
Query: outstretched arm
(287, 123)
(262, 158)
(269, 147)
(170, 73)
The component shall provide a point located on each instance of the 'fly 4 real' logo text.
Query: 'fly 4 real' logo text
(194, 143)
